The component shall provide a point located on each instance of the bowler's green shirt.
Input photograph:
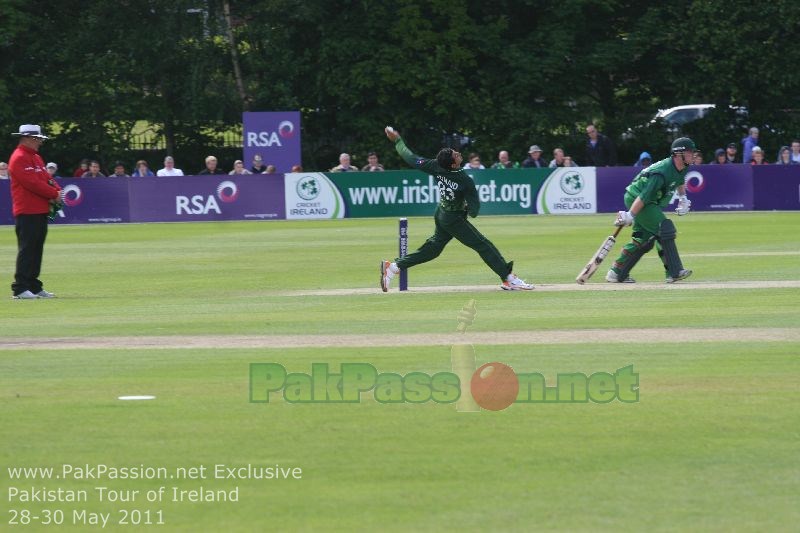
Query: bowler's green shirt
(457, 191)
(657, 183)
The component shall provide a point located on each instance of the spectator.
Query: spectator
(748, 143)
(238, 168)
(169, 168)
(142, 170)
(211, 167)
(52, 169)
(534, 159)
(785, 156)
(697, 157)
(272, 170)
(258, 165)
(504, 162)
(82, 168)
(474, 162)
(719, 157)
(344, 164)
(730, 153)
(94, 171)
(600, 150)
(796, 152)
(119, 171)
(645, 159)
(758, 156)
(561, 160)
(297, 168)
(3, 170)
(372, 163)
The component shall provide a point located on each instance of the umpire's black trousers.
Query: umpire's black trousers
(31, 233)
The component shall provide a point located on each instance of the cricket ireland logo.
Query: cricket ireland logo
(308, 188)
(571, 183)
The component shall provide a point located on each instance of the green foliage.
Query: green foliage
(505, 74)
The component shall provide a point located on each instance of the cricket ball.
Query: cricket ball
(494, 386)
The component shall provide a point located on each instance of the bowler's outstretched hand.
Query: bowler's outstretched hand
(391, 133)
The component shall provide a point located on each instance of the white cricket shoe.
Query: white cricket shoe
(683, 274)
(27, 295)
(513, 283)
(612, 277)
(388, 270)
(45, 294)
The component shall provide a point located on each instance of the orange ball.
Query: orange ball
(494, 386)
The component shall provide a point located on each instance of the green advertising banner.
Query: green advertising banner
(406, 193)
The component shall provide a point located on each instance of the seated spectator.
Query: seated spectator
(503, 162)
(560, 159)
(730, 153)
(3, 170)
(119, 171)
(238, 168)
(796, 151)
(297, 168)
(211, 167)
(271, 169)
(758, 156)
(785, 156)
(719, 157)
(258, 165)
(142, 169)
(534, 159)
(645, 159)
(94, 171)
(82, 168)
(169, 168)
(372, 164)
(52, 169)
(344, 164)
(474, 162)
(697, 157)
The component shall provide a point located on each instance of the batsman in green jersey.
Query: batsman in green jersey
(651, 191)
(458, 198)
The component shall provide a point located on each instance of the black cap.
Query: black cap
(732, 145)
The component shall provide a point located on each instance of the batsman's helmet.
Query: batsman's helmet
(682, 144)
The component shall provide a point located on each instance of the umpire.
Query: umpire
(33, 194)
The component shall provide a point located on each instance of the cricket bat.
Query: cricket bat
(598, 257)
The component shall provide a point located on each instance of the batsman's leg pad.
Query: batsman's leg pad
(631, 254)
(669, 251)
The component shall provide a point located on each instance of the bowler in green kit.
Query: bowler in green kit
(651, 191)
(458, 199)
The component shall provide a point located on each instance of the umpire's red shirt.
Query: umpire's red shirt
(32, 188)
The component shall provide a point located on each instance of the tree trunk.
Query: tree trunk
(237, 72)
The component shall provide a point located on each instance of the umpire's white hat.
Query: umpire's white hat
(31, 130)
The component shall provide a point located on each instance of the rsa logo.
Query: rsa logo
(227, 192)
(271, 138)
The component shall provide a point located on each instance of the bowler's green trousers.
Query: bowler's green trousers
(454, 224)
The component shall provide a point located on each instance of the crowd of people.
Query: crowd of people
(599, 151)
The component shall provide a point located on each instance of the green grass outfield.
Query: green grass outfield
(712, 445)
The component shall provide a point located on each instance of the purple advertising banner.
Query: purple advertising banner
(275, 136)
(94, 200)
(709, 187)
(192, 198)
(6, 215)
(776, 187)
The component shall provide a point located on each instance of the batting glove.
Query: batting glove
(624, 218)
(684, 204)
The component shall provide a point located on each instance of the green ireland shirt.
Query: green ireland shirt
(657, 183)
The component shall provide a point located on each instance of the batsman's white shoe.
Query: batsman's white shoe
(613, 277)
(45, 294)
(388, 270)
(683, 274)
(513, 283)
(26, 295)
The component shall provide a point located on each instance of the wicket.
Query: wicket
(403, 245)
